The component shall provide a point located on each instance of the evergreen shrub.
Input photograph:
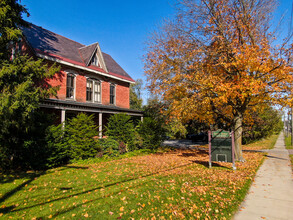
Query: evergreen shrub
(151, 133)
(109, 146)
(80, 132)
(58, 148)
(120, 128)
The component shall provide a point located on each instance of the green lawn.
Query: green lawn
(176, 184)
(288, 142)
(265, 143)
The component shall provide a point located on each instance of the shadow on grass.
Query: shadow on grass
(98, 188)
(92, 200)
(76, 167)
(10, 177)
(206, 164)
(195, 153)
(31, 176)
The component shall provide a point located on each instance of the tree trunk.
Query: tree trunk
(238, 138)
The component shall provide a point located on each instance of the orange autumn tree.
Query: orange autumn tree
(216, 62)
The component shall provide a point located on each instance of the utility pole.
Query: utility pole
(291, 126)
(290, 30)
(288, 123)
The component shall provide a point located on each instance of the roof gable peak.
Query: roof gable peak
(92, 55)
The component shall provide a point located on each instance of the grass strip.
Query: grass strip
(288, 142)
(265, 143)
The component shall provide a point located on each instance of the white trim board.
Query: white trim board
(81, 67)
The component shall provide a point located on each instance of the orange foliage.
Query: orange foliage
(216, 61)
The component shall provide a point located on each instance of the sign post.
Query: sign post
(233, 151)
(210, 148)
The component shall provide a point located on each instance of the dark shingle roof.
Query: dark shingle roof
(42, 40)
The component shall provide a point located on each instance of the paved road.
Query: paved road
(271, 194)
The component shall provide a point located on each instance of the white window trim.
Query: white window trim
(93, 80)
(115, 86)
(74, 74)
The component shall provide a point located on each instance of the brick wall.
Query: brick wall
(122, 88)
(122, 95)
(59, 80)
(105, 93)
(80, 89)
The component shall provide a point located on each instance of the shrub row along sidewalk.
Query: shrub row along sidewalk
(176, 184)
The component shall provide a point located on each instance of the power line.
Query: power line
(290, 27)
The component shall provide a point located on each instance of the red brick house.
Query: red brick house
(90, 81)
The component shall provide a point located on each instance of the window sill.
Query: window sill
(70, 99)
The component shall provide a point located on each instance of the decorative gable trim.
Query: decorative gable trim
(101, 58)
(87, 54)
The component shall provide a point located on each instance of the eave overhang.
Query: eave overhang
(87, 107)
(81, 66)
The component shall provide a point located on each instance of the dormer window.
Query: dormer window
(93, 56)
(95, 60)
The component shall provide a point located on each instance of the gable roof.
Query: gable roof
(52, 46)
(87, 52)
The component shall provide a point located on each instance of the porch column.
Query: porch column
(63, 115)
(100, 124)
(141, 118)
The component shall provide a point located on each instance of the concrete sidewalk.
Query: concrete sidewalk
(271, 194)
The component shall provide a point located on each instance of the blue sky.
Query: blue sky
(120, 26)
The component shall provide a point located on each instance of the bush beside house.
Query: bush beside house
(77, 139)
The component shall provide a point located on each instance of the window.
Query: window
(97, 91)
(70, 86)
(93, 90)
(89, 90)
(95, 60)
(112, 94)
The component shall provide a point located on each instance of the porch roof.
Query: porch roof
(87, 107)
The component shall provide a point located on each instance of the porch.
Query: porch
(68, 109)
